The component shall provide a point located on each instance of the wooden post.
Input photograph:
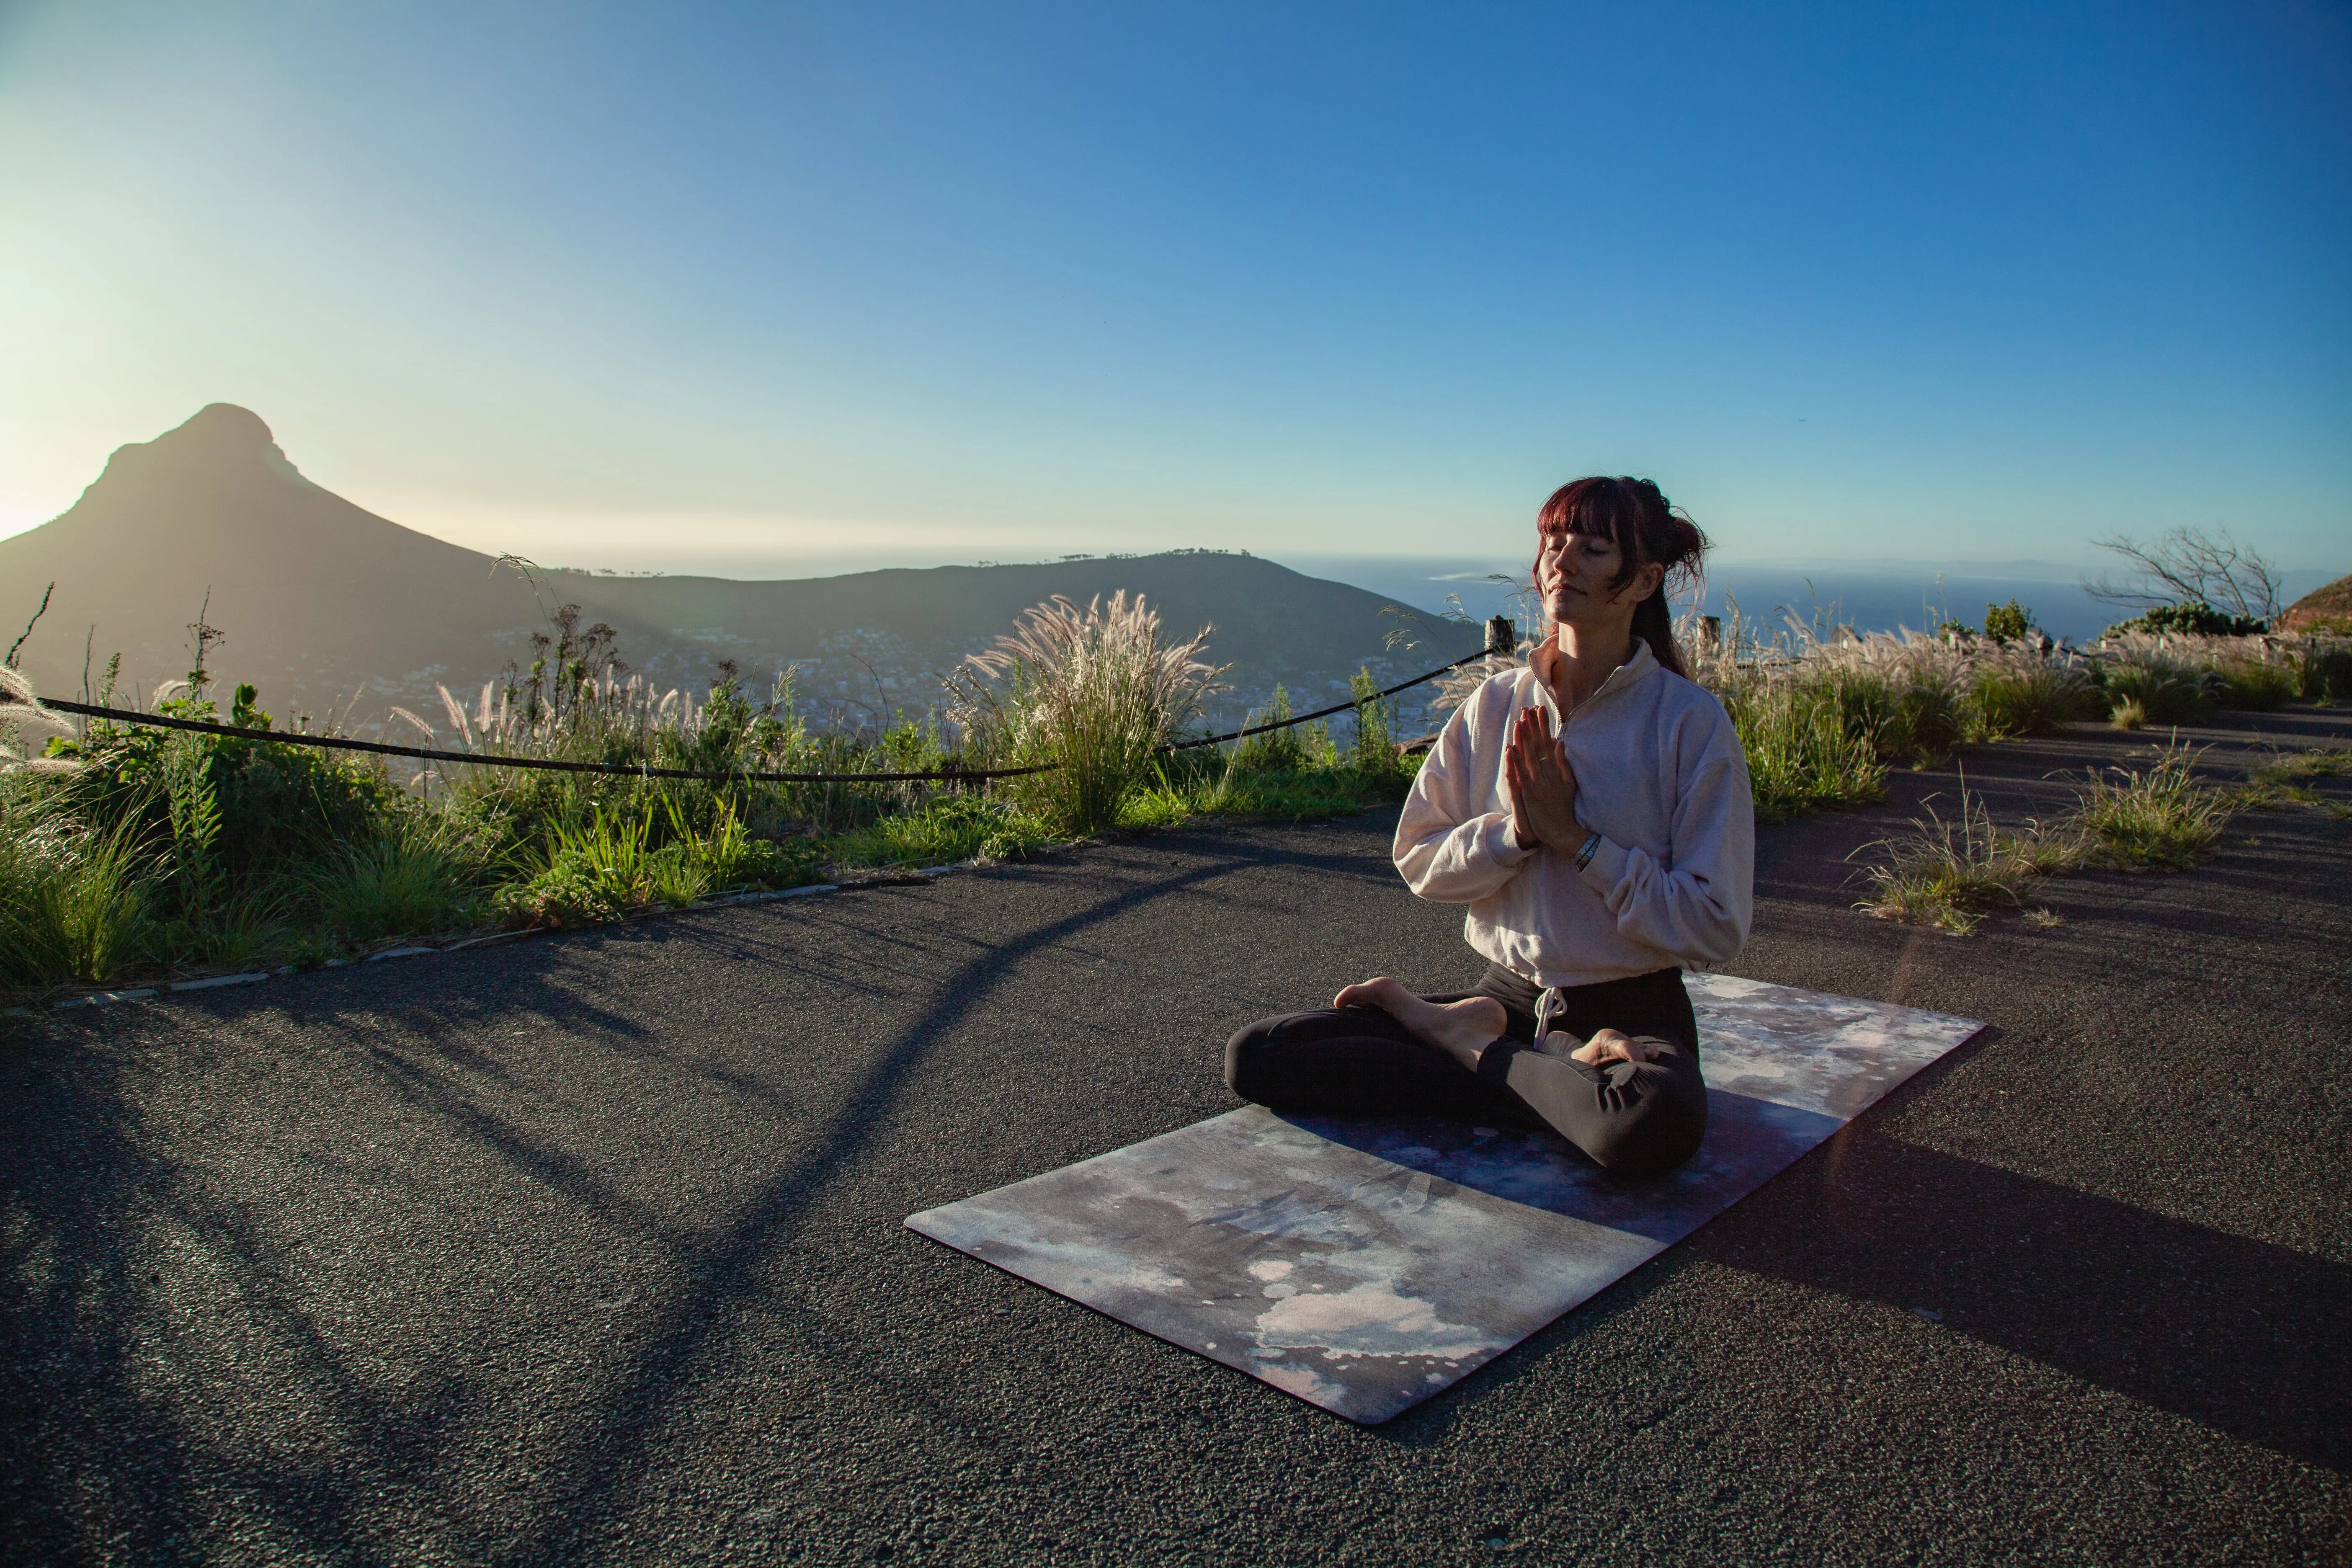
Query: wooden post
(1502, 637)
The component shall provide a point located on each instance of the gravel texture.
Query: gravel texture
(588, 1248)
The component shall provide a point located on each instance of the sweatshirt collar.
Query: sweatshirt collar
(1638, 664)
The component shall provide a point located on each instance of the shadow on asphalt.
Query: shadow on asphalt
(605, 1458)
(2234, 1333)
(2231, 1333)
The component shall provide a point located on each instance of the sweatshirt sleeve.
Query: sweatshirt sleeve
(1702, 906)
(1450, 850)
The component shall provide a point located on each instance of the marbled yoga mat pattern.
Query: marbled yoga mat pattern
(1365, 1264)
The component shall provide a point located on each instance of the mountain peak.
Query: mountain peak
(224, 425)
(219, 435)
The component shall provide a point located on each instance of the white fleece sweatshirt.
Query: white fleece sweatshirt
(1660, 776)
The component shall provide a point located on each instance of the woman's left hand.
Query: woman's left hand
(1542, 786)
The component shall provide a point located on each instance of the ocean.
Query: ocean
(1868, 596)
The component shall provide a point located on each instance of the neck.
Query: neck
(1582, 658)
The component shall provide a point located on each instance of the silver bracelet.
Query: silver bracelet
(1584, 855)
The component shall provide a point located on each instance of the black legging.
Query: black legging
(1638, 1119)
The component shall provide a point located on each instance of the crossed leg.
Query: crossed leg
(1463, 1029)
(1635, 1103)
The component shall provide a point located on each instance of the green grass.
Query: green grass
(1208, 784)
(954, 830)
(1802, 755)
(2023, 699)
(412, 884)
(141, 852)
(2286, 779)
(74, 900)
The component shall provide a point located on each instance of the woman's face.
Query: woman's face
(1576, 572)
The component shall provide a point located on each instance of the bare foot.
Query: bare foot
(1461, 1029)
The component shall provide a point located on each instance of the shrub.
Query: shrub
(2259, 685)
(2167, 679)
(2324, 671)
(2190, 618)
(2008, 623)
(1902, 695)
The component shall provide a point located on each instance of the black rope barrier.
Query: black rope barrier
(625, 770)
(546, 764)
(1340, 706)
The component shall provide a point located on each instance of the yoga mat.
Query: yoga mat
(1365, 1264)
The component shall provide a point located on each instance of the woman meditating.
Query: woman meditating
(1593, 810)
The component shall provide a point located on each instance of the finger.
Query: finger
(1611, 1046)
(1523, 730)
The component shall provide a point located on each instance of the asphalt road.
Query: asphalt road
(588, 1248)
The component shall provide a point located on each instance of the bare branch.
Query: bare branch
(11, 661)
(2187, 565)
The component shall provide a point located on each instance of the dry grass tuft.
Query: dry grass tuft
(1950, 873)
(1094, 692)
(2160, 816)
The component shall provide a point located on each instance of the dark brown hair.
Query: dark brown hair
(1646, 526)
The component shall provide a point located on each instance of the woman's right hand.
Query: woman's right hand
(1542, 788)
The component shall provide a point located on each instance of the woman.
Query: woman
(1592, 808)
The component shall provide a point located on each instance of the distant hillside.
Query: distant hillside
(324, 603)
(2329, 605)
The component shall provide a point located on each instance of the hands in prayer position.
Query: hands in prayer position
(1542, 786)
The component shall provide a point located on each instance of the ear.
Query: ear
(1646, 581)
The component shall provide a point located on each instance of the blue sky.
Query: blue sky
(778, 288)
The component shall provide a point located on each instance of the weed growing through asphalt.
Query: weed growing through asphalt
(1950, 872)
(2160, 817)
(2287, 778)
